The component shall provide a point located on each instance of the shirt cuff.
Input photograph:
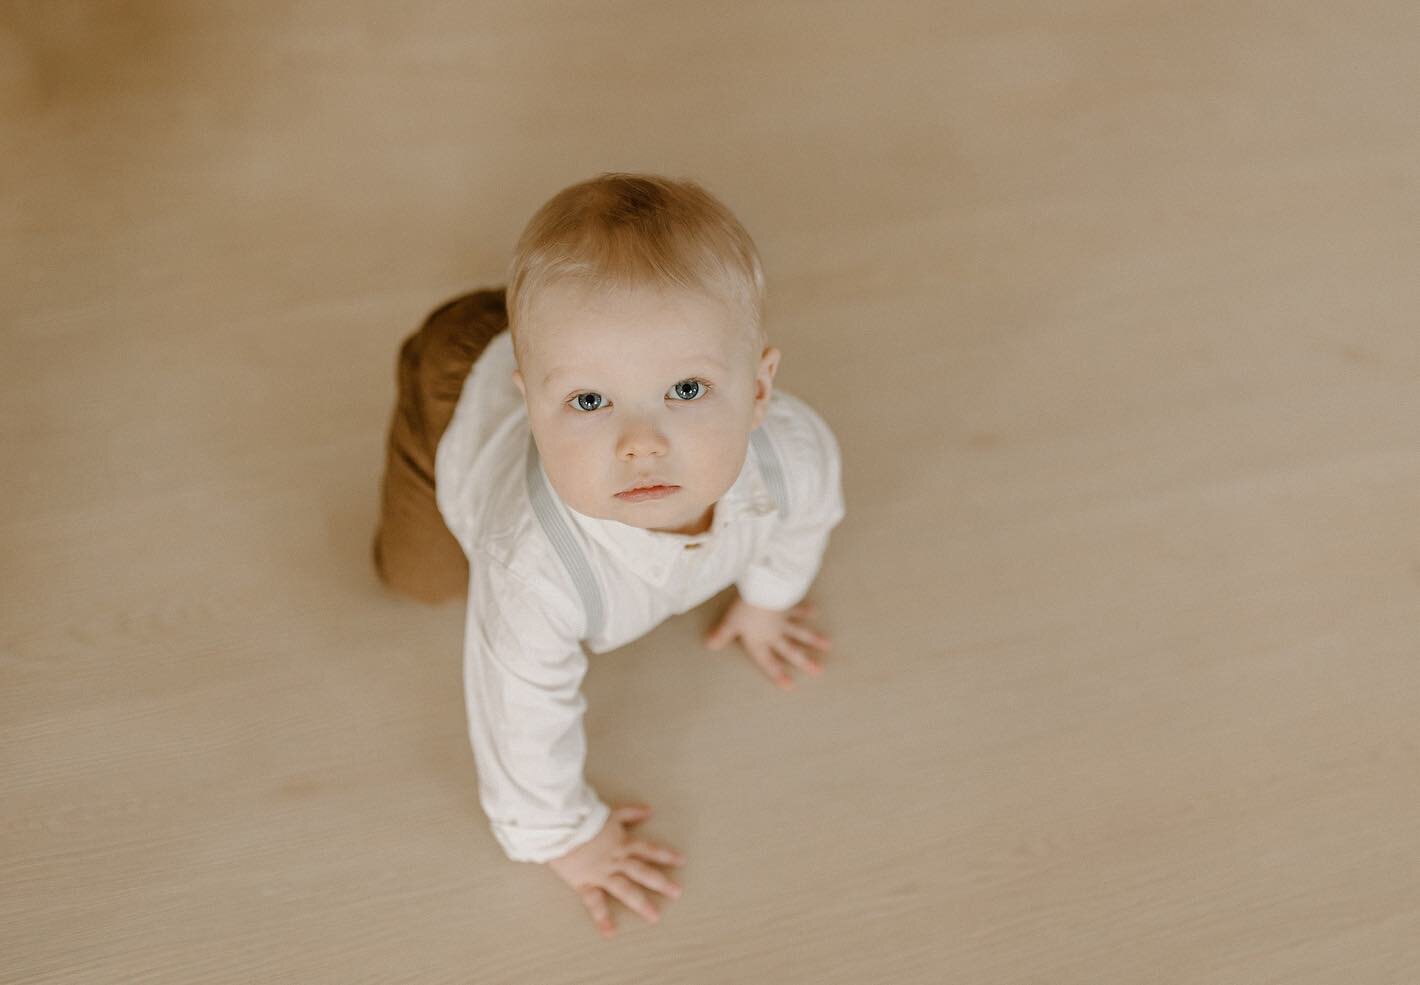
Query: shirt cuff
(782, 578)
(763, 588)
(545, 844)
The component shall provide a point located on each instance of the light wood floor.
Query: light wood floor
(1113, 307)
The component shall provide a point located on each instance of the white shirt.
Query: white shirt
(525, 625)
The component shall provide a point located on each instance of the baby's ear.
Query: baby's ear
(769, 361)
(764, 379)
(764, 383)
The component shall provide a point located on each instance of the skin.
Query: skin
(625, 354)
(622, 406)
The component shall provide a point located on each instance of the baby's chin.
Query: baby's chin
(660, 520)
(665, 515)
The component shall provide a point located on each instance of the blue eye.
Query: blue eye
(686, 391)
(689, 390)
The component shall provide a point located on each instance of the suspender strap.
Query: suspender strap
(566, 545)
(771, 469)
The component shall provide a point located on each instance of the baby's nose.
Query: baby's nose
(641, 440)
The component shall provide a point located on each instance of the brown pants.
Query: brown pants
(415, 554)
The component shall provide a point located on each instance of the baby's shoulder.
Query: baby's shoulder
(513, 565)
(504, 528)
(804, 441)
(486, 503)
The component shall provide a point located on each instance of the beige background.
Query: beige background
(1113, 309)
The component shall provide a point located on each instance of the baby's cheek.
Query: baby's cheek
(725, 463)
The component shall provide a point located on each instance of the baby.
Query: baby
(616, 456)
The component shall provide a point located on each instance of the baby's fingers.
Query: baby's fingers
(806, 635)
(656, 853)
(796, 656)
(595, 901)
(651, 877)
(632, 895)
(771, 665)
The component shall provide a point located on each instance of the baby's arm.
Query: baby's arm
(812, 464)
(523, 670)
(765, 617)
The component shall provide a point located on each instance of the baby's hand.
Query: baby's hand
(771, 638)
(614, 862)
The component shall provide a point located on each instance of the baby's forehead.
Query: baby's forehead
(642, 326)
(643, 336)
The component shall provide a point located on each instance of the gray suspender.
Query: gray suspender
(771, 470)
(555, 525)
(562, 539)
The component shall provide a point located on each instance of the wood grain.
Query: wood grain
(1112, 307)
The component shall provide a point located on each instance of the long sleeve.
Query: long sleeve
(523, 670)
(785, 568)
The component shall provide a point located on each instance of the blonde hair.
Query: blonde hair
(620, 232)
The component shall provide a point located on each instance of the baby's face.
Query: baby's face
(644, 388)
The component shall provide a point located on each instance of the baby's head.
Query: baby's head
(636, 309)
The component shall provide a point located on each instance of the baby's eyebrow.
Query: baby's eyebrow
(568, 370)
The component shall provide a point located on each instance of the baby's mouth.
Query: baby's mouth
(647, 492)
(649, 482)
